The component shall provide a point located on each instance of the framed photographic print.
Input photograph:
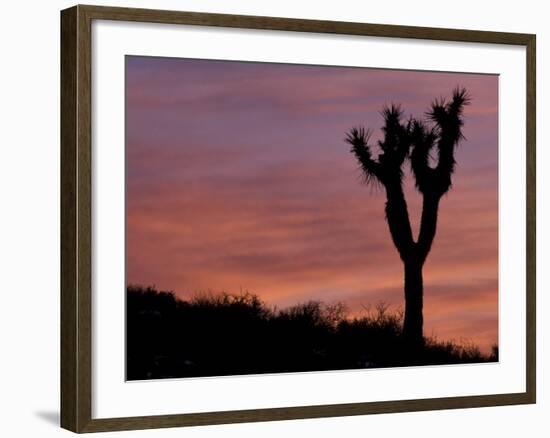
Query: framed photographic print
(268, 218)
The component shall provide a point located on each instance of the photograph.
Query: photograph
(285, 218)
(267, 218)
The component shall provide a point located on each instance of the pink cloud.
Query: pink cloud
(237, 178)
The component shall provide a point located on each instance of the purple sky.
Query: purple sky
(238, 179)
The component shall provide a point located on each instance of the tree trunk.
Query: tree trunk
(414, 287)
(414, 291)
(397, 216)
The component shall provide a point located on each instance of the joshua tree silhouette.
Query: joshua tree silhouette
(413, 140)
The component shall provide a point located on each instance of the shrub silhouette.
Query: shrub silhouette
(413, 140)
(226, 334)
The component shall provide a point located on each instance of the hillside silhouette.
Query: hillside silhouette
(227, 334)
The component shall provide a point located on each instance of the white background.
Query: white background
(29, 240)
(112, 397)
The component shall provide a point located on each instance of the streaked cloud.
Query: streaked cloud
(238, 178)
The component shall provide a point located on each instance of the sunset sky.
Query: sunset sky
(238, 179)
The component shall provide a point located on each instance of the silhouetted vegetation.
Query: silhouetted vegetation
(224, 334)
(418, 142)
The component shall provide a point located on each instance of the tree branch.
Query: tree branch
(397, 140)
(428, 225)
(358, 138)
(422, 140)
(448, 120)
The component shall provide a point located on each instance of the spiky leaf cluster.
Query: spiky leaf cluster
(415, 139)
